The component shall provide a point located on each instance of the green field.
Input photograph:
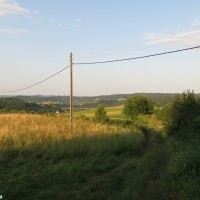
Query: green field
(115, 113)
(112, 112)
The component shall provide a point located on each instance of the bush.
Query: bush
(118, 122)
(138, 105)
(182, 117)
(100, 114)
(183, 173)
(165, 114)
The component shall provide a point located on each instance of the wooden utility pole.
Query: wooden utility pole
(71, 91)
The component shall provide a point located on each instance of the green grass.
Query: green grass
(112, 112)
(65, 169)
(105, 167)
(38, 160)
(116, 116)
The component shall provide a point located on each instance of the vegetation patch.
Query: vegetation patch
(150, 157)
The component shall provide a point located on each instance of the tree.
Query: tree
(182, 118)
(138, 105)
(100, 114)
(12, 104)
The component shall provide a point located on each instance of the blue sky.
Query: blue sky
(37, 36)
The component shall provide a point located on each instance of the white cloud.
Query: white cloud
(13, 31)
(186, 37)
(196, 22)
(11, 7)
(77, 23)
(52, 19)
(180, 38)
(67, 24)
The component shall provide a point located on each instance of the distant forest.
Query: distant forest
(49, 104)
(159, 99)
(16, 105)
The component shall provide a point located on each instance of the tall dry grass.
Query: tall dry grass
(22, 130)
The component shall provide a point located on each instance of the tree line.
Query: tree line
(181, 117)
(106, 100)
(16, 105)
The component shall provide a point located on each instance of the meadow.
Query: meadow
(41, 158)
(114, 112)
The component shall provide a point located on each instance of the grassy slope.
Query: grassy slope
(114, 112)
(107, 163)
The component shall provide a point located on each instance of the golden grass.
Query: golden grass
(155, 123)
(19, 130)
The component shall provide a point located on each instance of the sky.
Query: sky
(36, 38)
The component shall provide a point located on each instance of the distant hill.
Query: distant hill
(17, 105)
(91, 101)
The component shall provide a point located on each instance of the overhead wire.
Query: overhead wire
(184, 37)
(165, 39)
(35, 84)
(164, 36)
(173, 39)
(184, 41)
(100, 62)
(135, 58)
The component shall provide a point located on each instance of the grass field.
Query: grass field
(114, 112)
(40, 158)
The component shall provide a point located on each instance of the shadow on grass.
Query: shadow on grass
(119, 166)
(55, 168)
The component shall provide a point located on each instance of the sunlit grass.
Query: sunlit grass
(20, 130)
(41, 158)
(114, 112)
(41, 152)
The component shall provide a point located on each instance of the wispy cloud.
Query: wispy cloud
(186, 37)
(73, 24)
(11, 7)
(77, 23)
(196, 21)
(52, 19)
(13, 31)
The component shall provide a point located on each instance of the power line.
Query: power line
(135, 58)
(187, 32)
(183, 36)
(173, 39)
(100, 62)
(165, 39)
(37, 83)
